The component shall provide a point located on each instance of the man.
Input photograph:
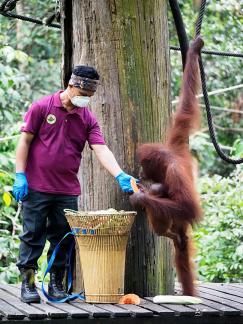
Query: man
(48, 156)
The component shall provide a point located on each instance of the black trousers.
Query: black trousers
(44, 219)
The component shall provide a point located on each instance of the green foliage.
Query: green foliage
(220, 237)
(210, 163)
(29, 69)
(10, 228)
(13, 86)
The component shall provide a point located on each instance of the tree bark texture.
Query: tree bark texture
(127, 42)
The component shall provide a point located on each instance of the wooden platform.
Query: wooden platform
(222, 303)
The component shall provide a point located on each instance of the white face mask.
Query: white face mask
(80, 101)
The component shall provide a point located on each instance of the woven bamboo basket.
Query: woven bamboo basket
(102, 238)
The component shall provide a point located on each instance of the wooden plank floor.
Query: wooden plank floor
(221, 304)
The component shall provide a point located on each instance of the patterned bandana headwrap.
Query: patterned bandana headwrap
(83, 83)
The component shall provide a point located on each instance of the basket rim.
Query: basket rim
(95, 213)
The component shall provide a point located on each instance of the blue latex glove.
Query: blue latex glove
(124, 181)
(20, 187)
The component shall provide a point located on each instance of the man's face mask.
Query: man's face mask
(80, 101)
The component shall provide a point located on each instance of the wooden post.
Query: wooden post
(127, 42)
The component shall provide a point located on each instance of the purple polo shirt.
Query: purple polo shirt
(56, 150)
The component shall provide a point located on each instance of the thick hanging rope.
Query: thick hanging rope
(205, 95)
(9, 5)
(200, 18)
(29, 19)
(180, 28)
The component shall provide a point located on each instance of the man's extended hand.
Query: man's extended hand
(124, 181)
(20, 187)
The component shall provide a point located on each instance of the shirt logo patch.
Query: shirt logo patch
(51, 119)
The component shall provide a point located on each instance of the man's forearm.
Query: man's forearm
(21, 155)
(107, 159)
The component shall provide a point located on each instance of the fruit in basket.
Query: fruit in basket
(109, 221)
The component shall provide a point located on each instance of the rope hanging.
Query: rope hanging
(180, 28)
(200, 18)
(205, 96)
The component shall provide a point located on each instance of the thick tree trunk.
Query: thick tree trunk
(127, 42)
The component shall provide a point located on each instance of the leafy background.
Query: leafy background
(30, 67)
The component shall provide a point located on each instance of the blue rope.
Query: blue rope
(70, 297)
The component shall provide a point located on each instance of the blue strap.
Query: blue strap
(53, 256)
(69, 267)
